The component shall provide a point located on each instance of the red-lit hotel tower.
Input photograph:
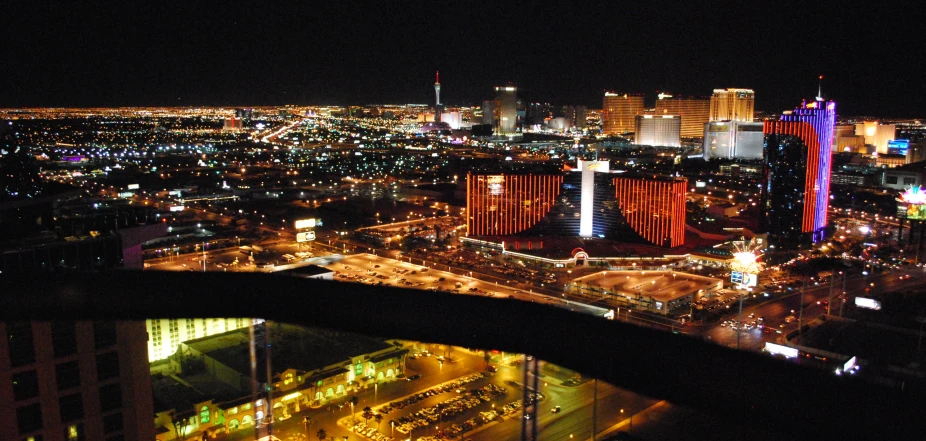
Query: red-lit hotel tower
(588, 202)
(796, 172)
(500, 205)
(654, 207)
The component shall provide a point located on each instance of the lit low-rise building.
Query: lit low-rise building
(309, 368)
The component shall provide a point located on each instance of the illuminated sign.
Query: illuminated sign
(745, 279)
(177, 208)
(307, 236)
(659, 305)
(785, 351)
(898, 146)
(852, 363)
(609, 315)
(700, 184)
(305, 223)
(912, 203)
(913, 195)
(132, 187)
(736, 277)
(865, 302)
(496, 184)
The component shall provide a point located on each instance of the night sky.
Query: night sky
(340, 52)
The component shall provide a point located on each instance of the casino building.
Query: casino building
(796, 172)
(588, 202)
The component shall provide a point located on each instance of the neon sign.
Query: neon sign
(914, 195)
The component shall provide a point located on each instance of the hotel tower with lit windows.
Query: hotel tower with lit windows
(590, 202)
(796, 172)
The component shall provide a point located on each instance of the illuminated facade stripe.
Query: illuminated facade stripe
(654, 208)
(504, 204)
(813, 124)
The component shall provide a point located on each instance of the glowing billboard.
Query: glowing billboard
(912, 203)
(745, 279)
(306, 236)
(305, 223)
(865, 302)
(785, 351)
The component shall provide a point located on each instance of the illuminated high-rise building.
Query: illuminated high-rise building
(506, 110)
(657, 130)
(618, 112)
(876, 134)
(505, 204)
(589, 201)
(694, 113)
(488, 112)
(438, 107)
(733, 105)
(654, 207)
(796, 172)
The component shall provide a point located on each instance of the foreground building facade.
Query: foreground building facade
(75, 380)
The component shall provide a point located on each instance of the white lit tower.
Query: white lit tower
(438, 108)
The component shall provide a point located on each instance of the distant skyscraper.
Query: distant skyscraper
(618, 112)
(694, 112)
(876, 134)
(438, 108)
(575, 116)
(733, 140)
(733, 105)
(796, 172)
(657, 130)
(506, 110)
(488, 112)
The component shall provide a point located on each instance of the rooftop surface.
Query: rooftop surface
(294, 347)
(660, 285)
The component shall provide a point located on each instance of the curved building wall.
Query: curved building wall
(654, 208)
(813, 124)
(504, 204)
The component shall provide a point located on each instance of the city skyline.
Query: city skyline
(612, 221)
(191, 55)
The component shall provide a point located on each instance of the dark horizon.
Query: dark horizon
(190, 54)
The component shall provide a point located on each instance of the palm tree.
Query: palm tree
(367, 414)
(321, 434)
(378, 418)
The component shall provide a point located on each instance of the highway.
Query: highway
(777, 309)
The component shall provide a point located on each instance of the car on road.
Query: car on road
(413, 377)
(284, 417)
(492, 368)
(556, 409)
